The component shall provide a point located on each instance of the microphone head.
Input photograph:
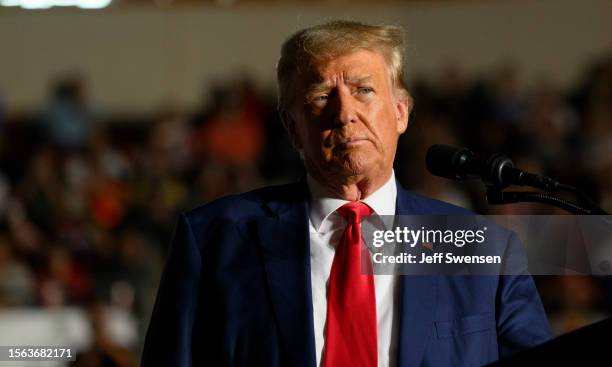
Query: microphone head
(448, 161)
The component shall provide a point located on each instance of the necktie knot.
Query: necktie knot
(354, 211)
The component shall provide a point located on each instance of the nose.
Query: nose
(346, 108)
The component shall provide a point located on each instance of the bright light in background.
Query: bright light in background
(45, 4)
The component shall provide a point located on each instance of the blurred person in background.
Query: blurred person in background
(158, 187)
(2, 115)
(547, 127)
(595, 136)
(63, 281)
(68, 118)
(5, 190)
(41, 189)
(577, 298)
(232, 136)
(104, 352)
(171, 136)
(17, 283)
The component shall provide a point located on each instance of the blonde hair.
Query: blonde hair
(324, 42)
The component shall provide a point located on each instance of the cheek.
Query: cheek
(324, 136)
(391, 137)
(385, 124)
(318, 142)
(388, 139)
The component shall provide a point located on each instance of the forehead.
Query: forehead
(353, 65)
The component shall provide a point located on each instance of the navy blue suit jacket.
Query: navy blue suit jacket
(236, 292)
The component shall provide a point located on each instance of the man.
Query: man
(268, 278)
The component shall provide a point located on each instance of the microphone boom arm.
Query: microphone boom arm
(495, 197)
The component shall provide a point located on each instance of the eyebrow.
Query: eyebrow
(325, 85)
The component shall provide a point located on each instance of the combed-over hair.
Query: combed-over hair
(327, 41)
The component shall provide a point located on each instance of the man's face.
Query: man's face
(346, 118)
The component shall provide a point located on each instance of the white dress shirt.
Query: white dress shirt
(326, 230)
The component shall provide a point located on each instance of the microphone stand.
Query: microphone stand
(586, 340)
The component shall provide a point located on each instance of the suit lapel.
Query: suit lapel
(285, 248)
(418, 297)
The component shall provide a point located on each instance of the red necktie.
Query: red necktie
(351, 331)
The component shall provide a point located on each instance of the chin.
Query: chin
(356, 164)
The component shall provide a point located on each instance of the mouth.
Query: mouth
(352, 141)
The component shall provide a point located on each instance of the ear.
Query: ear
(403, 107)
(291, 126)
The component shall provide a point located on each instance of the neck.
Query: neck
(352, 188)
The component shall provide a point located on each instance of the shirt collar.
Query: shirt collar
(382, 201)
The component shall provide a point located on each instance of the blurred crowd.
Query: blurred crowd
(88, 201)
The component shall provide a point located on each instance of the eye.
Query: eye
(365, 90)
(318, 101)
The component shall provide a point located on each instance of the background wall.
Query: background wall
(138, 56)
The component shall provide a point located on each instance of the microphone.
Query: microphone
(497, 170)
